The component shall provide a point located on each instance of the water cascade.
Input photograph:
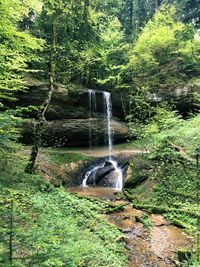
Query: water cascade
(108, 114)
(90, 175)
(119, 174)
(92, 110)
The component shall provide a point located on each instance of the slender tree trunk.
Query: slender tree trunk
(85, 18)
(157, 4)
(137, 24)
(39, 127)
(131, 17)
(86, 7)
(131, 14)
(123, 106)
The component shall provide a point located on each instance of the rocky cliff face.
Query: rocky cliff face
(68, 117)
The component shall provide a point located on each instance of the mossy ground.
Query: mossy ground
(50, 226)
(171, 187)
(59, 156)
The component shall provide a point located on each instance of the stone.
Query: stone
(102, 172)
(68, 117)
(73, 132)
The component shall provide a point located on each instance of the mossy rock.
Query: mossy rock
(135, 180)
(138, 172)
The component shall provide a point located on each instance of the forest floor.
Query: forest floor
(157, 212)
(150, 239)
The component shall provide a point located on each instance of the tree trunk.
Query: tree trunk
(157, 4)
(137, 24)
(39, 127)
(86, 7)
(85, 28)
(131, 17)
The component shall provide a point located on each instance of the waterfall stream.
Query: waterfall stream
(92, 111)
(108, 139)
(108, 114)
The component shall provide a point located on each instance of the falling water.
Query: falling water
(119, 183)
(84, 183)
(92, 109)
(92, 171)
(108, 111)
(109, 138)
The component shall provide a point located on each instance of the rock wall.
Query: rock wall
(68, 122)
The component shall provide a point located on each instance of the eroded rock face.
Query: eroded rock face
(68, 116)
(74, 132)
(67, 103)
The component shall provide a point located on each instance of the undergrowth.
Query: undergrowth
(44, 226)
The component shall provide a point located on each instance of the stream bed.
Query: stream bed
(153, 246)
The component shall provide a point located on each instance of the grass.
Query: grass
(171, 186)
(60, 158)
(185, 134)
(53, 227)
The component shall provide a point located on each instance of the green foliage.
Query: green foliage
(184, 133)
(188, 11)
(165, 54)
(16, 49)
(173, 188)
(8, 130)
(159, 119)
(147, 222)
(51, 227)
(65, 158)
(43, 234)
(65, 228)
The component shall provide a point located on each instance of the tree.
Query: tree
(16, 50)
(165, 54)
(54, 9)
(188, 10)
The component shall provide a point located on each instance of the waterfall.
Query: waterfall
(119, 183)
(92, 110)
(108, 139)
(84, 184)
(108, 113)
(90, 172)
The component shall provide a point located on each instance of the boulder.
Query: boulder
(104, 171)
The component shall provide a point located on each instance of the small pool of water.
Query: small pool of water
(99, 192)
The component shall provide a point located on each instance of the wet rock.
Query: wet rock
(158, 220)
(68, 116)
(110, 179)
(127, 231)
(106, 175)
(99, 175)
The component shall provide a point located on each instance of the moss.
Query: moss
(60, 158)
(140, 167)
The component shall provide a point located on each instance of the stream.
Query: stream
(150, 240)
(155, 246)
